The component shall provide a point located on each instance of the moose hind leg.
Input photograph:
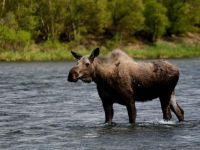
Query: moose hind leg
(178, 111)
(165, 105)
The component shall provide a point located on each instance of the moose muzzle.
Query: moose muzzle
(73, 75)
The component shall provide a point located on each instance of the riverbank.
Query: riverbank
(161, 49)
(166, 51)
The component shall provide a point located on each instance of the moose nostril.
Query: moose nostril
(73, 76)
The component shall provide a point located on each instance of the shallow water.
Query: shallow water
(39, 109)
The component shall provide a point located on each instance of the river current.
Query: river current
(41, 110)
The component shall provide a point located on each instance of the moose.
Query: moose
(122, 80)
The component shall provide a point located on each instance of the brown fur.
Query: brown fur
(121, 80)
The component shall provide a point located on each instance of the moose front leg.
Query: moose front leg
(131, 112)
(108, 108)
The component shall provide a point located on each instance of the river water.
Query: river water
(39, 109)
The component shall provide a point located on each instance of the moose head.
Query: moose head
(84, 68)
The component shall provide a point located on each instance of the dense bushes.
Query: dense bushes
(12, 39)
(76, 21)
(156, 20)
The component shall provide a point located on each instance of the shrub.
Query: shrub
(13, 40)
(156, 20)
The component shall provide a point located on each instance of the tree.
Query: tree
(127, 16)
(194, 14)
(51, 15)
(156, 20)
(183, 15)
(86, 17)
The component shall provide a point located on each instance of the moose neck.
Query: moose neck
(103, 71)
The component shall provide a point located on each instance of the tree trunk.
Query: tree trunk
(74, 29)
(3, 6)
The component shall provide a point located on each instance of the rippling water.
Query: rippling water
(39, 109)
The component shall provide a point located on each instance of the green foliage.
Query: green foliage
(156, 20)
(51, 15)
(13, 40)
(23, 37)
(10, 20)
(127, 16)
(183, 15)
(86, 23)
(86, 17)
(25, 14)
(195, 10)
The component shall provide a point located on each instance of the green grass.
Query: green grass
(53, 55)
(61, 53)
(166, 50)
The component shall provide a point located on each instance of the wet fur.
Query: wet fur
(122, 80)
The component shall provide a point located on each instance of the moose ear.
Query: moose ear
(76, 55)
(94, 54)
